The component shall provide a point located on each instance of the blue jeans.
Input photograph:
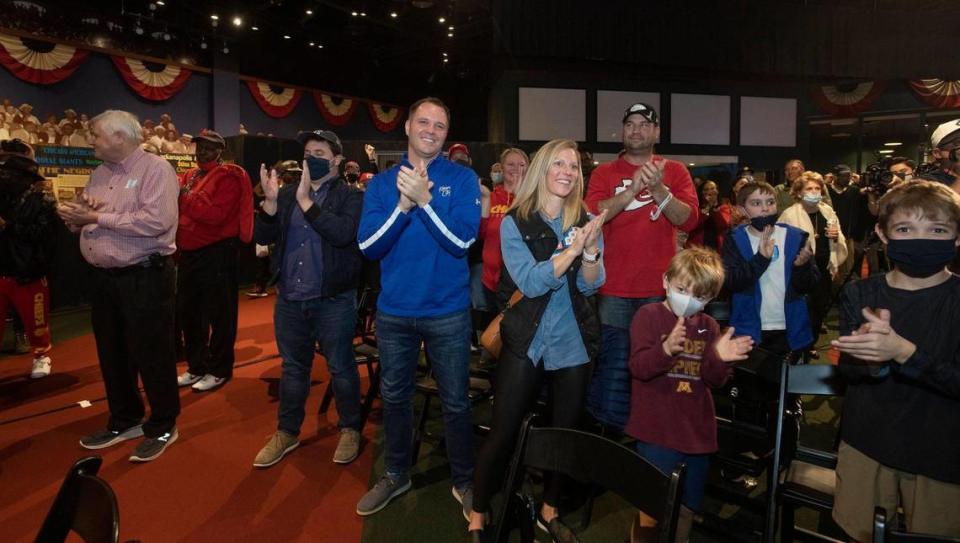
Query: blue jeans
(299, 326)
(609, 397)
(666, 460)
(447, 343)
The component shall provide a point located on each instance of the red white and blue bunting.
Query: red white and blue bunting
(846, 101)
(335, 110)
(938, 93)
(156, 82)
(40, 65)
(385, 118)
(276, 102)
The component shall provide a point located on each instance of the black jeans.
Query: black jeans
(518, 386)
(818, 302)
(132, 314)
(207, 304)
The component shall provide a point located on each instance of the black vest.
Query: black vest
(520, 322)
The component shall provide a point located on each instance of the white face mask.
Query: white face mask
(812, 198)
(684, 305)
(496, 177)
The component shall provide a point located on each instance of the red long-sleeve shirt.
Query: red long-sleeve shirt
(670, 400)
(215, 207)
(500, 201)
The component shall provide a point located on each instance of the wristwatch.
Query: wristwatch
(591, 258)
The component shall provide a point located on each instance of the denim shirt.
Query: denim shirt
(301, 272)
(557, 341)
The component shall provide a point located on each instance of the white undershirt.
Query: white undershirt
(773, 287)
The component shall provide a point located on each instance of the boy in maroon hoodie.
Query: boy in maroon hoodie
(677, 354)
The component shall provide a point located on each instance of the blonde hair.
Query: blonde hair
(532, 195)
(700, 268)
(796, 190)
(516, 150)
(928, 199)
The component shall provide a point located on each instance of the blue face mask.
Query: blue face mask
(764, 221)
(319, 167)
(812, 198)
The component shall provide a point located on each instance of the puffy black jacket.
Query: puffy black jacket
(26, 238)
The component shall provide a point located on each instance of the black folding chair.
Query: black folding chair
(809, 477)
(588, 458)
(896, 534)
(85, 505)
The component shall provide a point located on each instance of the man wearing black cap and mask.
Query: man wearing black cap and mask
(317, 265)
(216, 215)
(855, 221)
(945, 152)
(27, 219)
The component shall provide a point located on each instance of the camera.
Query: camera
(877, 177)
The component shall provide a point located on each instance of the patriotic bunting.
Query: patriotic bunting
(334, 109)
(157, 82)
(384, 117)
(39, 62)
(275, 103)
(843, 101)
(938, 93)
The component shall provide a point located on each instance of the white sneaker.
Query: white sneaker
(41, 367)
(186, 379)
(208, 382)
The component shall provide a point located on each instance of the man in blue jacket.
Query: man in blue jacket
(317, 264)
(419, 219)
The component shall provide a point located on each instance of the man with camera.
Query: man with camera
(944, 145)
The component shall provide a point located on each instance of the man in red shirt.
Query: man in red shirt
(647, 197)
(216, 215)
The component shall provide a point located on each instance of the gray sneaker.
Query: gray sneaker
(106, 438)
(279, 445)
(464, 495)
(152, 447)
(349, 446)
(380, 495)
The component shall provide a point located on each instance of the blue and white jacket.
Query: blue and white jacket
(423, 253)
(743, 269)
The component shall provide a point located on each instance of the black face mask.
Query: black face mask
(352, 177)
(762, 222)
(921, 257)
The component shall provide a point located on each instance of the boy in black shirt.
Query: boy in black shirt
(900, 351)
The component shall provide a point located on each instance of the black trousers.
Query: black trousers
(818, 302)
(132, 314)
(207, 304)
(517, 388)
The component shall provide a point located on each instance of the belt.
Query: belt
(154, 261)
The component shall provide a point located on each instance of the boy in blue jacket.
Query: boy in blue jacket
(419, 219)
(768, 270)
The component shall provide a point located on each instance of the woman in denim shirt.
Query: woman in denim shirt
(552, 254)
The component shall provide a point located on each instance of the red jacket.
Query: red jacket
(217, 206)
(670, 400)
(637, 250)
(720, 217)
(500, 201)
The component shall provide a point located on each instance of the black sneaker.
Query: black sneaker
(106, 438)
(152, 447)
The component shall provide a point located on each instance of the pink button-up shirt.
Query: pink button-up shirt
(138, 215)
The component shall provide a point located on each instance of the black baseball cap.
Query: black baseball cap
(644, 110)
(211, 136)
(23, 164)
(322, 135)
(842, 169)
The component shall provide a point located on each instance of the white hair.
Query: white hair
(115, 121)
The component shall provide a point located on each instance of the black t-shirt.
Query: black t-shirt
(821, 240)
(852, 212)
(907, 416)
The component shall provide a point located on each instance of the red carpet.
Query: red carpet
(203, 488)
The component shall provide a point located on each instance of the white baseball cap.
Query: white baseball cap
(944, 131)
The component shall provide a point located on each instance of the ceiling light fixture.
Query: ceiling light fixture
(214, 20)
(446, 60)
(354, 13)
(320, 46)
(311, 44)
(203, 43)
(254, 28)
(893, 144)
(442, 20)
(286, 36)
(309, 12)
(449, 34)
(691, 163)
(886, 151)
(237, 21)
(161, 3)
(393, 14)
(363, 13)
(226, 50)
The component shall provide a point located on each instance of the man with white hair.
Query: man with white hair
(26, 111)
(127, 221)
